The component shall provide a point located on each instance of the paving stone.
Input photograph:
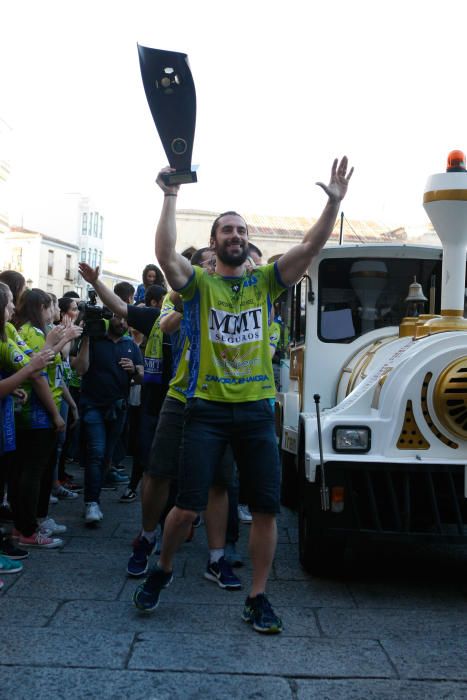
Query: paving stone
(311, 593)
(289, 570)
(26, 612)
(102, 545)
(86, 684)
(65, 647)
(375, 623)
(379, 690)
(287, 551)
(66, 576)
(440, 658)
(123, 617)
(407, 594)
(271, 655)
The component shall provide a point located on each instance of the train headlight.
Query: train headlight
(351, 438)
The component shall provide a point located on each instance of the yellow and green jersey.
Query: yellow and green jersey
(153, 355)
(227, 326)
(13, 335)
(12, 359)
(274, 334)
(33, 414)
(180, 347)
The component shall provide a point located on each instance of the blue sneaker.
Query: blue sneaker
(221, 573)
(8, 566)
(115, 478)
(146, 597)
(138, 562)
(259, 613)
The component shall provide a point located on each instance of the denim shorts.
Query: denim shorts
(165, 453)
(210, 426)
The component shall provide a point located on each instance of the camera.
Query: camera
(95, 317)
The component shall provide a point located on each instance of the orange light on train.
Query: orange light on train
(456, 162)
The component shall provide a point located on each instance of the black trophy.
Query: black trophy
(171, 95)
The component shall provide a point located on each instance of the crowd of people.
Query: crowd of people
(178, 374)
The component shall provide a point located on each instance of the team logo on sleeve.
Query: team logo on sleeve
(236, 329)
(17, 357)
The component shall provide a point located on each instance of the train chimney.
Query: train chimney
(445, 202)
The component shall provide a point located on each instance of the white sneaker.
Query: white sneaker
(53, 499)
(48, 525)
(101, 514)
(244, 514)
(92, 513)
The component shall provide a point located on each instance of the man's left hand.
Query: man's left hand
(90, 274)
(337, 188)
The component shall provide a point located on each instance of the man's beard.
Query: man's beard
(117, 330)
(230, 259)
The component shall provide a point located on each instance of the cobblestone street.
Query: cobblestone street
(391, 626)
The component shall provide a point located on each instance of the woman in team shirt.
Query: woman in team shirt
(16, 366)
(64, 488)
(37, 423)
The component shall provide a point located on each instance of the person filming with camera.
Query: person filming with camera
(108, 361)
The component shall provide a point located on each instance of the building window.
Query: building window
(84, 224)
(94, 258)
(96, 222)
(90, 224)
(50, 263)
(83, 254)
(101, 226)
(89, 256)
(68, 267)
(17, 259)
(100, 260)
(50, 287)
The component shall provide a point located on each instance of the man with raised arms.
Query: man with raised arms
(231, 382)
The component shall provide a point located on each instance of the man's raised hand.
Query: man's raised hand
(337, 188)
(90, 274)
(167, 189)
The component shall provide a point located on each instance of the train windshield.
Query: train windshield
(358, 295)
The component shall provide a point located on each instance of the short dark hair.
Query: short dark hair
(15, 281)
(71, 295)
(154, 292)
(124, 290)
(255, 249)
(197, 257)
(225, 213)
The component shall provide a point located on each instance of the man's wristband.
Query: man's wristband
(169, 194)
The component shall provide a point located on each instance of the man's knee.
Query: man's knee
(263, 519)
(183, 517)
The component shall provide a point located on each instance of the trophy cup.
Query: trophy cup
(171, 95)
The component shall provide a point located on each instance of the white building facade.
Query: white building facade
(44, 262)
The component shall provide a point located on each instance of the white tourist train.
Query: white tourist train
(385, 455)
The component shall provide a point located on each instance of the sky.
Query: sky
(282, 89)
